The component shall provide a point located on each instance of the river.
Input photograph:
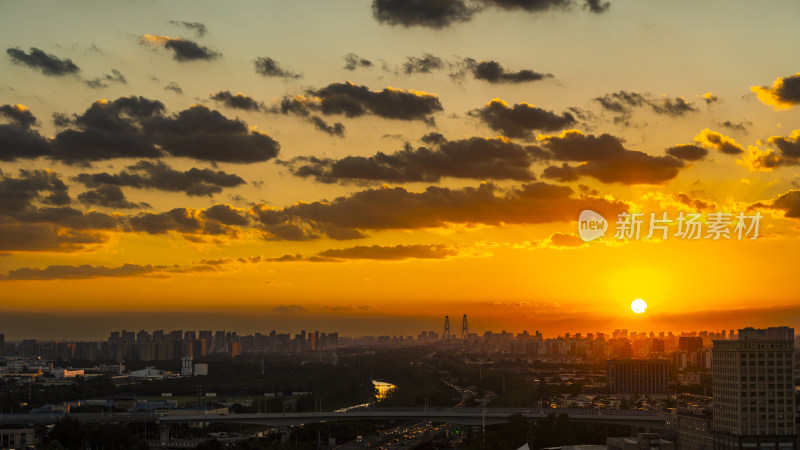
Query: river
(384, 388)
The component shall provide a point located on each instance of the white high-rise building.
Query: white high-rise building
(186, 366)
(753, 380)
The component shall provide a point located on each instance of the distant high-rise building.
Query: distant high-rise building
(220, 343)
(148, 351)
(690, 343)
(2, 343)
(128, 336)
(208, 337)
(600, 336)
(637, 376)
(657, 345)
(199, 348)
(166, 350)
(142, 336)
(753, 381)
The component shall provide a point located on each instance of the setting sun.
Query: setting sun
(638, 306)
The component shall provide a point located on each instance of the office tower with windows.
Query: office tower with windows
(753, 384)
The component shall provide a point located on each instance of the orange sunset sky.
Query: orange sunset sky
(369, 166)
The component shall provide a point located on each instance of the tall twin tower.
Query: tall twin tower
(464, 329)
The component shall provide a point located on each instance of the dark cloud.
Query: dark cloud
(33, 215)
(110, 129)
(159, 175)
(183, 50)
(621, 102)
(238, 101)
(521, 120)
(788, 202)
(691, 201)
(205, 134)
(226, 215)
(17, 139)
(354, 101)
(439, 14)
(197, 27)
(426, 63)
(624, 102)
(29, 223)
(216, 220)
(784, 92)
(565, 240)
(101, 82)
(135, 127)
(741, 126)
(182, 220)
(20, 115)
(108, 196)
(476, 158)
(710, 98)
(36, 237)
(687, 152)
(88, 271)
(564, 173)
(302, 107)
(61, 120)
(789, 146)
(18, 193)
(493, 72)
(221, 261)
(786, 152)
(85, 271)
(173, 86)
(353, 62)
(397, 252)
(298, 105)
(606, 159)
(46, 63)
(674, 107)
(531, 5)
(268, 67)
(397, 208)
(425, 13)
(597, 6)
(65, 217)
(712, 139)
(337, 129)
(286, 258)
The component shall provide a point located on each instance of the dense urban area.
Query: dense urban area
(205, 390)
